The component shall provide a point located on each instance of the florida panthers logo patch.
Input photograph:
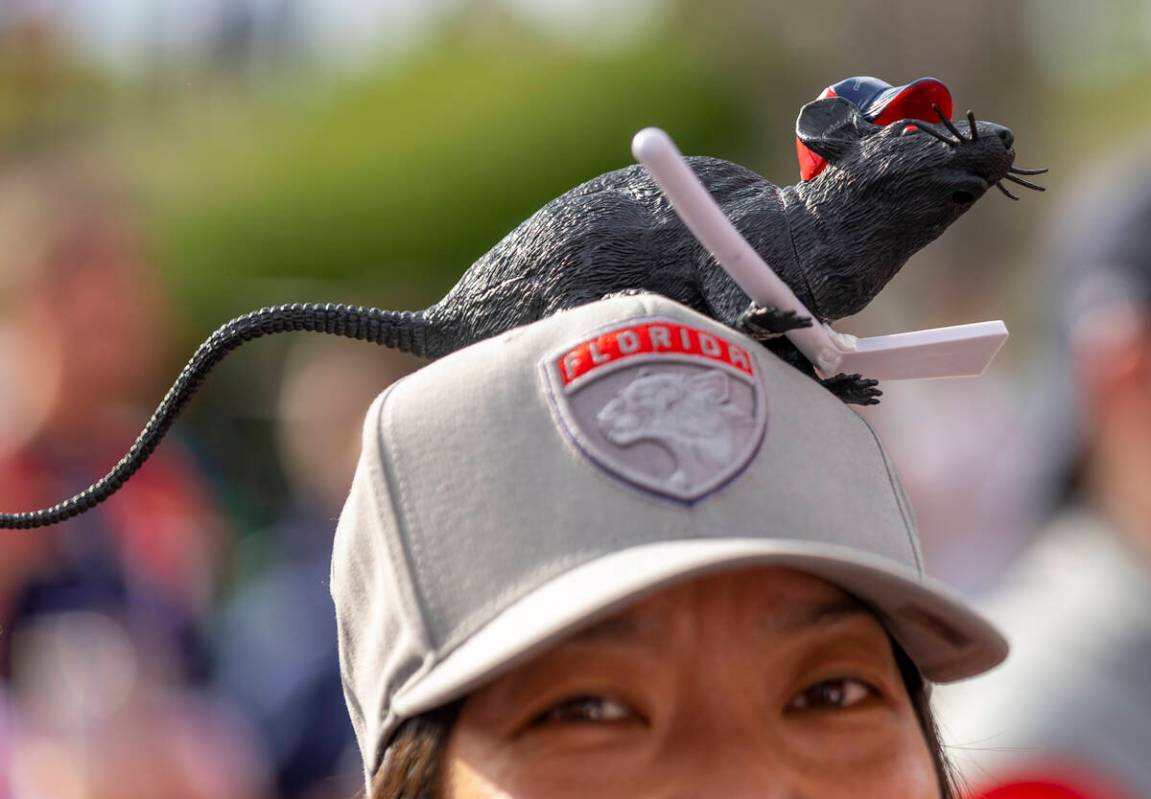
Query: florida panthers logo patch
(669, 407)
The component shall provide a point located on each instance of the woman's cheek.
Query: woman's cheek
(578, 767)
(463, 782)
(908, 773)
(879, 760)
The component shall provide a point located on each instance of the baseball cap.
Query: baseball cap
(529, 484)
(881, 104)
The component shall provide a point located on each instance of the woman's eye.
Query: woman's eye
(832, 695)
(586, 709)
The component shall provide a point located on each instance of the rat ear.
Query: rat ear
(830, 127)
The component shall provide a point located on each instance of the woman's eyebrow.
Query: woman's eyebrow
(611, 629)
(817, 614)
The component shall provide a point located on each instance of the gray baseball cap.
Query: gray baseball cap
(534, 482)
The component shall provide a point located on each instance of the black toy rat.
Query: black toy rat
(884, 169)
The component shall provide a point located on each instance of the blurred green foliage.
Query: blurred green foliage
(391, 185)
(268, 178)
(43, 89)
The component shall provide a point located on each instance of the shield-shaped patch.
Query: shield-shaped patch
(666, 406)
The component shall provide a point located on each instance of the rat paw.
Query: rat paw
(854, 389)
(766, 323)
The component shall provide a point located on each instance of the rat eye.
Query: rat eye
(837, 694)
(586, 710)
(909, 129)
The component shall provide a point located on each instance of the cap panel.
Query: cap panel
(379, 627)
(820, 476)
(903, 502)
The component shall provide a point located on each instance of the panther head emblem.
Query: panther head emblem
(667, 406)
(692, 417)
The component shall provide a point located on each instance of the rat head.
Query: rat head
(885, 172)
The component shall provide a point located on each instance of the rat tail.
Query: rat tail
(403, 330)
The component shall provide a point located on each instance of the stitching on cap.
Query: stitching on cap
(908, 527)
(399, 512)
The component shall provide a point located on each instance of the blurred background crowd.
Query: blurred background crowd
(165, 165)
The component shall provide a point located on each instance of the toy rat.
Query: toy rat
(884, 172)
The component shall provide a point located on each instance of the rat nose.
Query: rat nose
(989, 129)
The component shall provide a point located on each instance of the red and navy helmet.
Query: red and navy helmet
(880, 103)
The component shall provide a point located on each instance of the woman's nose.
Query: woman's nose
(753, 781)
(715, 766)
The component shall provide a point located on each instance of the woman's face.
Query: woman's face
(759, 683)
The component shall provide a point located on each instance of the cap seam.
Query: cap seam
(892, 481)
(402, 540)
(411, 594)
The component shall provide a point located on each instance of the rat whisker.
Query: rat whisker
(1018, 171)
(933, 132)
(947, 122)
(1022, 182)
(999, 186)
(971, 124)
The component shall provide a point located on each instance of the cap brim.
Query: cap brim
(912, 101)
(945, 638)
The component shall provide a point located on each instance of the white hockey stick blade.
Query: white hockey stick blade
(959, 351)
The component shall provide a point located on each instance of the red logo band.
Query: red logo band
(646, 339)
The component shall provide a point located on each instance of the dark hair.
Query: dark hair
(415, 761)
(919, 692)
(415, 757)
